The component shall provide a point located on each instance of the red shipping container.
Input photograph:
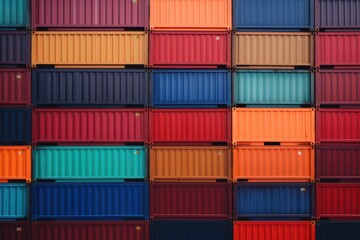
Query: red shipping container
(14, 231)
(190, 49)
(201, 126)
(338, 201)
(183, 201)
(90, 126)
(15, 87)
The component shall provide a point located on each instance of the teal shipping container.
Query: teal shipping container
(14, 13)
(273, 87)
(89, 163)
(13, 200)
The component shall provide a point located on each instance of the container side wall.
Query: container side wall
(15, 162)
(14, 13)
(14, 201)
(334, 230)
(15, 126)
(14, 48)
(15, 87)
(14, 230)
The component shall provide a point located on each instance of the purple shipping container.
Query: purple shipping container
(14, 48)
(14, 231)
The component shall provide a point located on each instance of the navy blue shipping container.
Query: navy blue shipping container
(273, 14)
(82, 87)
(338, 230)
(274, 200)
(191, 230)
(14, 48)
(89, 201)
(15, 126)
(190, 88)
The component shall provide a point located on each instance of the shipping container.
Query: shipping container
(337, 14)
(339, 163)
(15, 126)
(90, 49)
(190, 15)
(121, 230)
(274, 163)
(89, 163)
(337, 49)
(15, 87)
(189, 201)
(335, 230)
(273, 49)
(190, 88)
(15, 162)
(273, 14)
(14, 14)
(190, 49)
(89, 201)
(190, 126)
(69, 87)
(184, 163)
(279, 125)
(337, 125)
(15, 231)
(338, 201)
(337, 87)
(273, 87)
(90, 125)
(14, 201)
(118, 14)
(274, 230)
(274, 200)
(14, 48)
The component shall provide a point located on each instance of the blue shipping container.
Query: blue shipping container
(13, 200)
(190, 88)
(14, 13)
(15, 126)
(14, 48)
(274, 200)
(90, 201)
(273, 14)
(336, 230)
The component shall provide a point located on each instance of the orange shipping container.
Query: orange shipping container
(274, 163)
(190, 163)
(89, 49)
(190, 15)
(15, 163)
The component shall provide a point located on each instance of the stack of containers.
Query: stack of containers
(273, 127)
(90, 119)
(190, 120)
(337, 119)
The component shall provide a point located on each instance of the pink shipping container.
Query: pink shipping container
(90, 126)
(15, 87)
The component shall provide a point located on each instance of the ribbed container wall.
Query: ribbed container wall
(15, 87)
(14, 201)
(14, 14)
(15, 126)
(15, 230)
(14, 48)
(15, 162)
(334, 230)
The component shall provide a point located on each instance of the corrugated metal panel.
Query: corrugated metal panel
(15, 162)
(90, 14)
(90, 87)
(14, 13)
(275, 200)
(14, 231)
(338, 49)
(285, 125)
(190, 163)
(193, 88)
(273, 87)
(90, 125)
(273, 49)
(335, 230)
(190, 201)
(15, 126)
(273, 14)
(89, 201)
(340, 162)
(189, 15)
(15, 87)
(340, 87)
(13, 203)
(337, 125)
(14, 48)
(83, 163)
(190, 49)
(189, 126)
(338, 201)
(274, 163)
(81, 49)
(274, 230)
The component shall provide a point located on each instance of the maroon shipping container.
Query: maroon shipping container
(337, 125)
(15, 87)
(90, 14)
(340, 162)
(129, 230)
(190, 49)
(14, 231)
(190, 126)
(90, 126)
(184, 201)
(337, 87)
(338, 201)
